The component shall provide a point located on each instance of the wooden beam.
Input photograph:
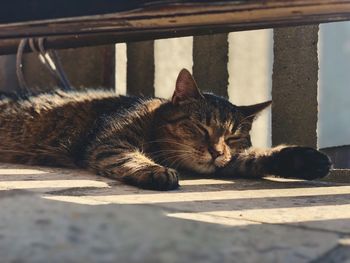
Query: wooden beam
(159, 19)
(24, 10)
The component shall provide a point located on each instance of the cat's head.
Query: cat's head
(200, 131)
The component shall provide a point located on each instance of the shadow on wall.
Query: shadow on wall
(340, 156)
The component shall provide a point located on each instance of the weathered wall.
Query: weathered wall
(8, 78)
(85, 67)
(140, 68)
(210, 55)
(294, 86)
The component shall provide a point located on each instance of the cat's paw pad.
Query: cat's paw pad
(159, 178)
(301, 162)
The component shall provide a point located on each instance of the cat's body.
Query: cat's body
(53, 129)
(145, 142)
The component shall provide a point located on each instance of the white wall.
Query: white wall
(250, 72)
(171, 55)
(120, 68)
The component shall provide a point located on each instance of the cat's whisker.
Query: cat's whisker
(177, 159)
(187, 150)
(165, 141)
(166, 157)
(163, 155)
(246, 118)
(173, 163)
(165, 152)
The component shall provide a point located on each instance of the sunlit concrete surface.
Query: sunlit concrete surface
(60, 215)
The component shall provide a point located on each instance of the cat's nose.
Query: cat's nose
(215, 153)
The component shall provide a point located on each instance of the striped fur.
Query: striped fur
(146, 142)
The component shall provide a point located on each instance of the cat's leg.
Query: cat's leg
(131, 166)
(284, 161)
(299, 162)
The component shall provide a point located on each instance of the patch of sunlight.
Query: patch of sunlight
(204, 182)
(82, 200)
(10, 185)
(289, 214)
(202, 217)
(277, 179)
(179, 197)
(20, 171)
(344, 241)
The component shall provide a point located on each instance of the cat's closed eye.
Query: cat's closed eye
(196, 129)
(233, 139)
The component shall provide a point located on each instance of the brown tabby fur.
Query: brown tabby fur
(146, 142)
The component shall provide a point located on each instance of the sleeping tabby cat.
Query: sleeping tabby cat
(146, 142)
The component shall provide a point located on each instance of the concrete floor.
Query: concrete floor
(55, 215)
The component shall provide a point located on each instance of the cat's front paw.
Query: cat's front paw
(158, 178)
(300, 162)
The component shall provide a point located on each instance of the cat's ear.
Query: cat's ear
(253, 110)
(186, 88)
